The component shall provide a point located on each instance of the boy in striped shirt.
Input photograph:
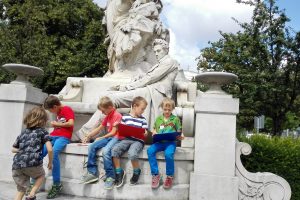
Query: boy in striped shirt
(131, 144)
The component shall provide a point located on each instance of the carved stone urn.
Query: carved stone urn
(215, 80)
(23, 72)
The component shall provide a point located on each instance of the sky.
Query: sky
(193, 23)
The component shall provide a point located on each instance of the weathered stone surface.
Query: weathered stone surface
(15, 101)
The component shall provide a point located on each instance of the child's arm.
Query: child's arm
(110, 134)
(69, 123)
(15, 146)
(15, 150)
(180, 137)
(50, 153)
(179, 129)
(92, 133)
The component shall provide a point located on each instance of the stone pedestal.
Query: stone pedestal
(215, 137)
(15, 101)
(214, 166)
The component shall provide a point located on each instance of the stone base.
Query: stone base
(208, 187)
(139, 191)
(72, 161)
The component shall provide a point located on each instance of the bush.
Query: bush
(280, 156)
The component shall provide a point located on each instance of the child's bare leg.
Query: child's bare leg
(136, 172)
(135, 164)
(19, 195)
(38, 182)
(116, 162)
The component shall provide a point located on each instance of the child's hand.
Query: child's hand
(180, 137)
(54, 124)
(86, 139)
(49, 165)
(99, 138)
(15, 150)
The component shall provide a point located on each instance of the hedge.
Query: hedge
(280, 156)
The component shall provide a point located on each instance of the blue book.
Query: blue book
(165, 136)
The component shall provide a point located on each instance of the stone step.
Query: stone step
(139, 191)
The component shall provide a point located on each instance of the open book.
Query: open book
(165, 136)
(131, 131)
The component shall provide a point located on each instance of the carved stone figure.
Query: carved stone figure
(131, 29)
(154, 85)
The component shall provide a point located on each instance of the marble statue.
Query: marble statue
(131, 28)
(154, 85)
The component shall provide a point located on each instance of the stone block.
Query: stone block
(208, 187)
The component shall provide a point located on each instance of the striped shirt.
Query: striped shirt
(139, 122)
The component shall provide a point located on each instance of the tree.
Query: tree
(64, 38)
(265, 56)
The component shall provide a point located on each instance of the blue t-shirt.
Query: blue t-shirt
(30, 144)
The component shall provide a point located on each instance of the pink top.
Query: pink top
(112, 120)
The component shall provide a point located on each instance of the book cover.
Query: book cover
(165, 136)
(131, 131)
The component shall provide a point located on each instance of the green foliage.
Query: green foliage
(292, 121)
(266, 58)
(64, 38)
(280, 156)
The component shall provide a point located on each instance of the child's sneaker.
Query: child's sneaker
(155, 181)
(109, 183)
(89, 178)
(119, 179)
(30, 198)
(168, 182)
(54, 191)
(135, 177)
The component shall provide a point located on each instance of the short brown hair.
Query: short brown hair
(137, 101)
(167, 102)
(51, 101)
(36, 117)
(105, 102)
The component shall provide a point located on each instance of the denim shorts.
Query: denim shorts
(133, 147)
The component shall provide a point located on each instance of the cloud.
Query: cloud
(101, 3)
(193, 23)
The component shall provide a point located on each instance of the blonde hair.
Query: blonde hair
(137, 101)
(105, 102)
(167, 102)
(36, 117)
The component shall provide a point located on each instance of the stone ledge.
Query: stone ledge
(181, 153)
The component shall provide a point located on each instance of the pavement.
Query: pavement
(8, 191)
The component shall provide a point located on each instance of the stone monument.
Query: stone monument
(139, 64)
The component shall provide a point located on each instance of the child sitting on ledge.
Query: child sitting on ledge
(131, 144)
(166, 123)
